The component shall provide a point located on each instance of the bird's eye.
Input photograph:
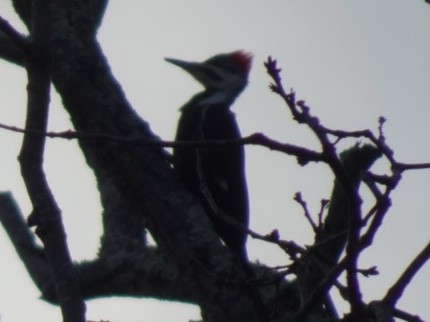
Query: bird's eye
(211, 74)
(225, 67)
(231, 69)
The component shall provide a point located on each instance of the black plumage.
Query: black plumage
(216, 174)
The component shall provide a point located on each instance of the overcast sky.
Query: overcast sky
(352, 61)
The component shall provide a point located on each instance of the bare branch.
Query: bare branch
(405, 316)
(298, 198)
(46, 214)
(20, 41)
(396, 291)
(301, 113)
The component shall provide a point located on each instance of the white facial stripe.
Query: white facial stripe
(217, 97)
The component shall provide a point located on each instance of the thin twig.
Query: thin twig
(303, 155)
(396, 291)
(298, 198)
(301, 113)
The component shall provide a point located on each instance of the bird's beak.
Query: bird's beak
(188, 66)
(195, 69)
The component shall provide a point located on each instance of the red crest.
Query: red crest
(243, 59)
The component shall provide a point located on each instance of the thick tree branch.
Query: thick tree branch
(46, 214)
(20, 41)
(23, 239)
(12, 43)
(9, 51)
(139, 271)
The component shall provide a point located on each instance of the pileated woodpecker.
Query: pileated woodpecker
(216, 174)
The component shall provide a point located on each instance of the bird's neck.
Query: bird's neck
(220, 97)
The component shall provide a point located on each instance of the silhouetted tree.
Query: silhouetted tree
(139, 192)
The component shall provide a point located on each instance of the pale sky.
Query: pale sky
(352, 61)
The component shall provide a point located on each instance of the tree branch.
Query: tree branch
(136, 271)
(23, 239)
(46, 214)
(396, 291)
(20, 41)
